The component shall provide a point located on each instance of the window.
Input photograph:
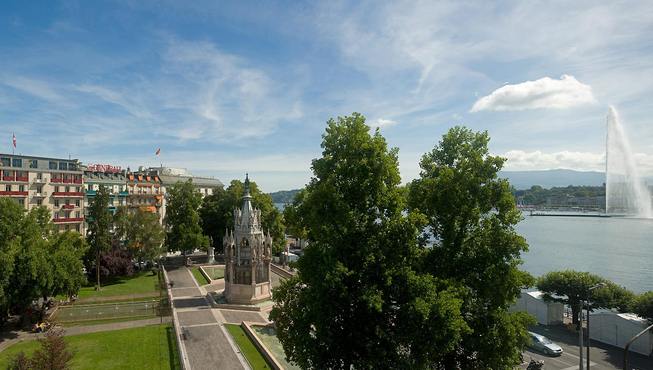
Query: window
(33, 163)
(39, 202)
(56, 202)
(63, 166)
(8, 187)
(53, 165)
(39, 189)
(72, 167)
(77, 227)
(39, 175)
(21, 201)
(21, 187)
(17, 162)
(6, 173)
(67, 189)
(77, 202)
(6, 161)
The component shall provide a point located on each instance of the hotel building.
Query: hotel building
(144, 191)
(113, 178)
(53, 183)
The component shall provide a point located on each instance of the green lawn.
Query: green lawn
(247, 348)
(215, 272)
(104, 321)
(139, 283)
(149, 347)
(199, 277)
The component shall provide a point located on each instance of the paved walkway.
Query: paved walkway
(206, 341)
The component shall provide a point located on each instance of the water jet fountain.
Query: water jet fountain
(625, 192)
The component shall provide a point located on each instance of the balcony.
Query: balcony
(42, 194)
(14, 193)
(77, 181)
(22, 179)
(67, 194)
(68, 206)
(66, 220)
(8, 178)
(56, 179)
(67, 181)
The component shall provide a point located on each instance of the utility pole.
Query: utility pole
(580, 334)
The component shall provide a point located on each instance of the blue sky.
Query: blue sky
(225, 88)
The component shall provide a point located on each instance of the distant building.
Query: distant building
(170, 176)
(145, 192)
(54, 183)
(113, 178)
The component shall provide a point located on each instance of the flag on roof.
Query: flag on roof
(13, 140)
(158, 151)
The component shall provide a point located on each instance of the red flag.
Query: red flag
(13, 140)
(158, 151)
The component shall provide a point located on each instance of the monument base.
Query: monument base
(248, 294)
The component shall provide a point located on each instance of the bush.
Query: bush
(116, 263)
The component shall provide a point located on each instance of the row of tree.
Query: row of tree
(572, 287)
(419, 276)
(36, 262)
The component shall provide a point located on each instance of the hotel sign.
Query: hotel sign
(106, 168)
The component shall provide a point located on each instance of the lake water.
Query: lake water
(619, 249)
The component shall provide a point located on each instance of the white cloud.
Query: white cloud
(382, 122)
(38, 88)
(567, 92)
(581, 161)
(115, 97)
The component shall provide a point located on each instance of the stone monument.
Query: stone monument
(247, 256)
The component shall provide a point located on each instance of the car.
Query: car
(545, 345)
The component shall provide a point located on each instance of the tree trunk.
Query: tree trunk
(97, 270)
(574, 314)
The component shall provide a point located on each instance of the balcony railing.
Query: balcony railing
(23, 179)
(14, 193)
(56, 179)
(69, 219)
(67, 194)
(67, 181)
(77, 181)
(8, 178)
(68, 206)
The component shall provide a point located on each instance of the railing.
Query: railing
(8, 178)
(68, 206)
(18, 193)
(77, 181)
(56, 179)
(67, 194)
(69, 219)
(23, 179)
(67, 181)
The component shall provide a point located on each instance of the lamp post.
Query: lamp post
(589, 340)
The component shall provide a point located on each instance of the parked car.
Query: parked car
(545, 345)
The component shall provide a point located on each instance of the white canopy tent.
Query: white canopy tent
(546, 313)
(618, 328)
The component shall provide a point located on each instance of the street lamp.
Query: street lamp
(589, 340)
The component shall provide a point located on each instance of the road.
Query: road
(602, 356)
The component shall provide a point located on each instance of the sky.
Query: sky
(229, 87)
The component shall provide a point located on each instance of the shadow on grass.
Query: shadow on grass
(175, 361)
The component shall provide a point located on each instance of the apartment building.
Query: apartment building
(53, 183)
(170, 176)
(113, 178)
(144, 191)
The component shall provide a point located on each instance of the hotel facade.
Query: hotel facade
(54, 183)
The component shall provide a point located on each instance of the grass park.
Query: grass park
(141, 283)
(113, 349)
(247, 348)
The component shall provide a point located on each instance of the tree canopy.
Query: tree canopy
(143, 235)
(99, 228)
(218, 208)
(36, 261)
(182, 221)
(471, 216)
(359, 298)
(570, 287)
(643, 305)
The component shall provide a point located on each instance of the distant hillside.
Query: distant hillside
(553, 178)
(284, 196)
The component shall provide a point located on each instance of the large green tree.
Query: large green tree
(99, 228)
(218, 209)
(471, 217)
(144, 235)
(292, 217)
(570, 287)
(182, 221)
(359, 300)
(11, 219)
